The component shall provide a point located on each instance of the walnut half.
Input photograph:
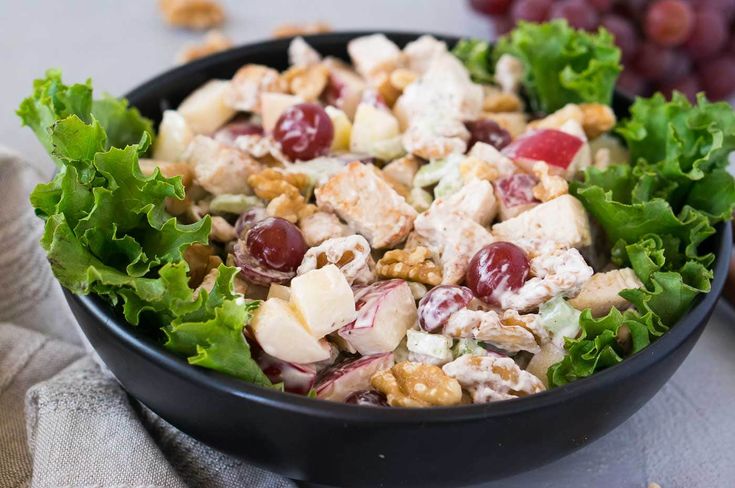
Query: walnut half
(412, 265)
(192, 14)
(410, 384)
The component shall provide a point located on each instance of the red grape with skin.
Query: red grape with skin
(495, 269)
(718, 77)
(708, 36)
(491, 7)
(631, 82)
(688, 85)
(624, 33)
(653, 61)
(578, 13)
(487, 131)
(367, 398)
(441, 302)
(669, 22)
(726, 8)
(304, 132)
(601, 6)
(531, 10)
(277, 244)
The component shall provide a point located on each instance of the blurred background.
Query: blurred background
(687, 45)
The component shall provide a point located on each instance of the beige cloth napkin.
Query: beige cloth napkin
(64, 422)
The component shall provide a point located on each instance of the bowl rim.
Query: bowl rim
(123, 332)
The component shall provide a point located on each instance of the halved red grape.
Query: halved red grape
(487, 131)
(249, 219)
(516, 189)
(531, 10)
(708, 36)
(495, 269)
(277, 244)
(304, 132)
(578, 13)
(624, 33)
(669, 22)
(441, 302)
(253, 271)
(233, 130)
(718, 77)
(368, 398)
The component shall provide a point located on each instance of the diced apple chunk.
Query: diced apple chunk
(372, 127)
(272, 105)
(385, 311)
(342, 128)
(174, 136)
(324, 300)
(280, 332)
(562, 151)
(279, 291)
(204, 109)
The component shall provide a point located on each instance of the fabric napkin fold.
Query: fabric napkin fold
(64, 421)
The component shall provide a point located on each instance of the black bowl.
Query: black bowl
(338, 444)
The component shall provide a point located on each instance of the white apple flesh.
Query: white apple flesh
(205, 110)
(346, 378)
(281, 333)
(324, 299)
(385, 311)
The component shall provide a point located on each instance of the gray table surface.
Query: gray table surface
(684, 437)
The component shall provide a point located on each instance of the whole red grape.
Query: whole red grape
(687, 85)
(624, 33)
(601, 5)
(495, 269)
(530, 10)
(491, 7)
(487, 131)
(631, 82)
(277, 244)
(669, 22)
(653, 61)
(726, 8)
(718, 77)
(304, 132)
(679, 67)
(708, 36)
(578, 13)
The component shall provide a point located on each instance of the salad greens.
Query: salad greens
(107, 231)
(476, 55)
(561, 65)
(656, 212)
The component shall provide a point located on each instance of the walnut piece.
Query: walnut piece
(214, 42)
(472, 168)
(492, 377)
(350, 254)
(291, 30)
(513, 122)
(283, 191)
(412, 265)
(597, 118)
(496, 100)
(192, 14)
(201, 259)
(410, 384)
(307, 82)
(549, 186)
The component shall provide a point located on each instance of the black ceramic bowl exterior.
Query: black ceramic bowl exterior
(338, 444)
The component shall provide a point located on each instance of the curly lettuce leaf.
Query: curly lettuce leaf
(476, 55)
(563, 65)
(656, 213)
(107, 231)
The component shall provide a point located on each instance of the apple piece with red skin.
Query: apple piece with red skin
(385, 311)
(344, 87)
(296, 378)
(515, 194)
(339, 382)
(563, 152)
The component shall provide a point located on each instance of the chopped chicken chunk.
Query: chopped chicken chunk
(374, 54)
(600, 292)
(219, 168)
(249, 83)
(363, 199)
(320, 226)
(421, 52)
(300, 53)
(488, 326)
(350, 254)
(562, 220)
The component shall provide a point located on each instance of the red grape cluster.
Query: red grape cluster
(684, 45)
